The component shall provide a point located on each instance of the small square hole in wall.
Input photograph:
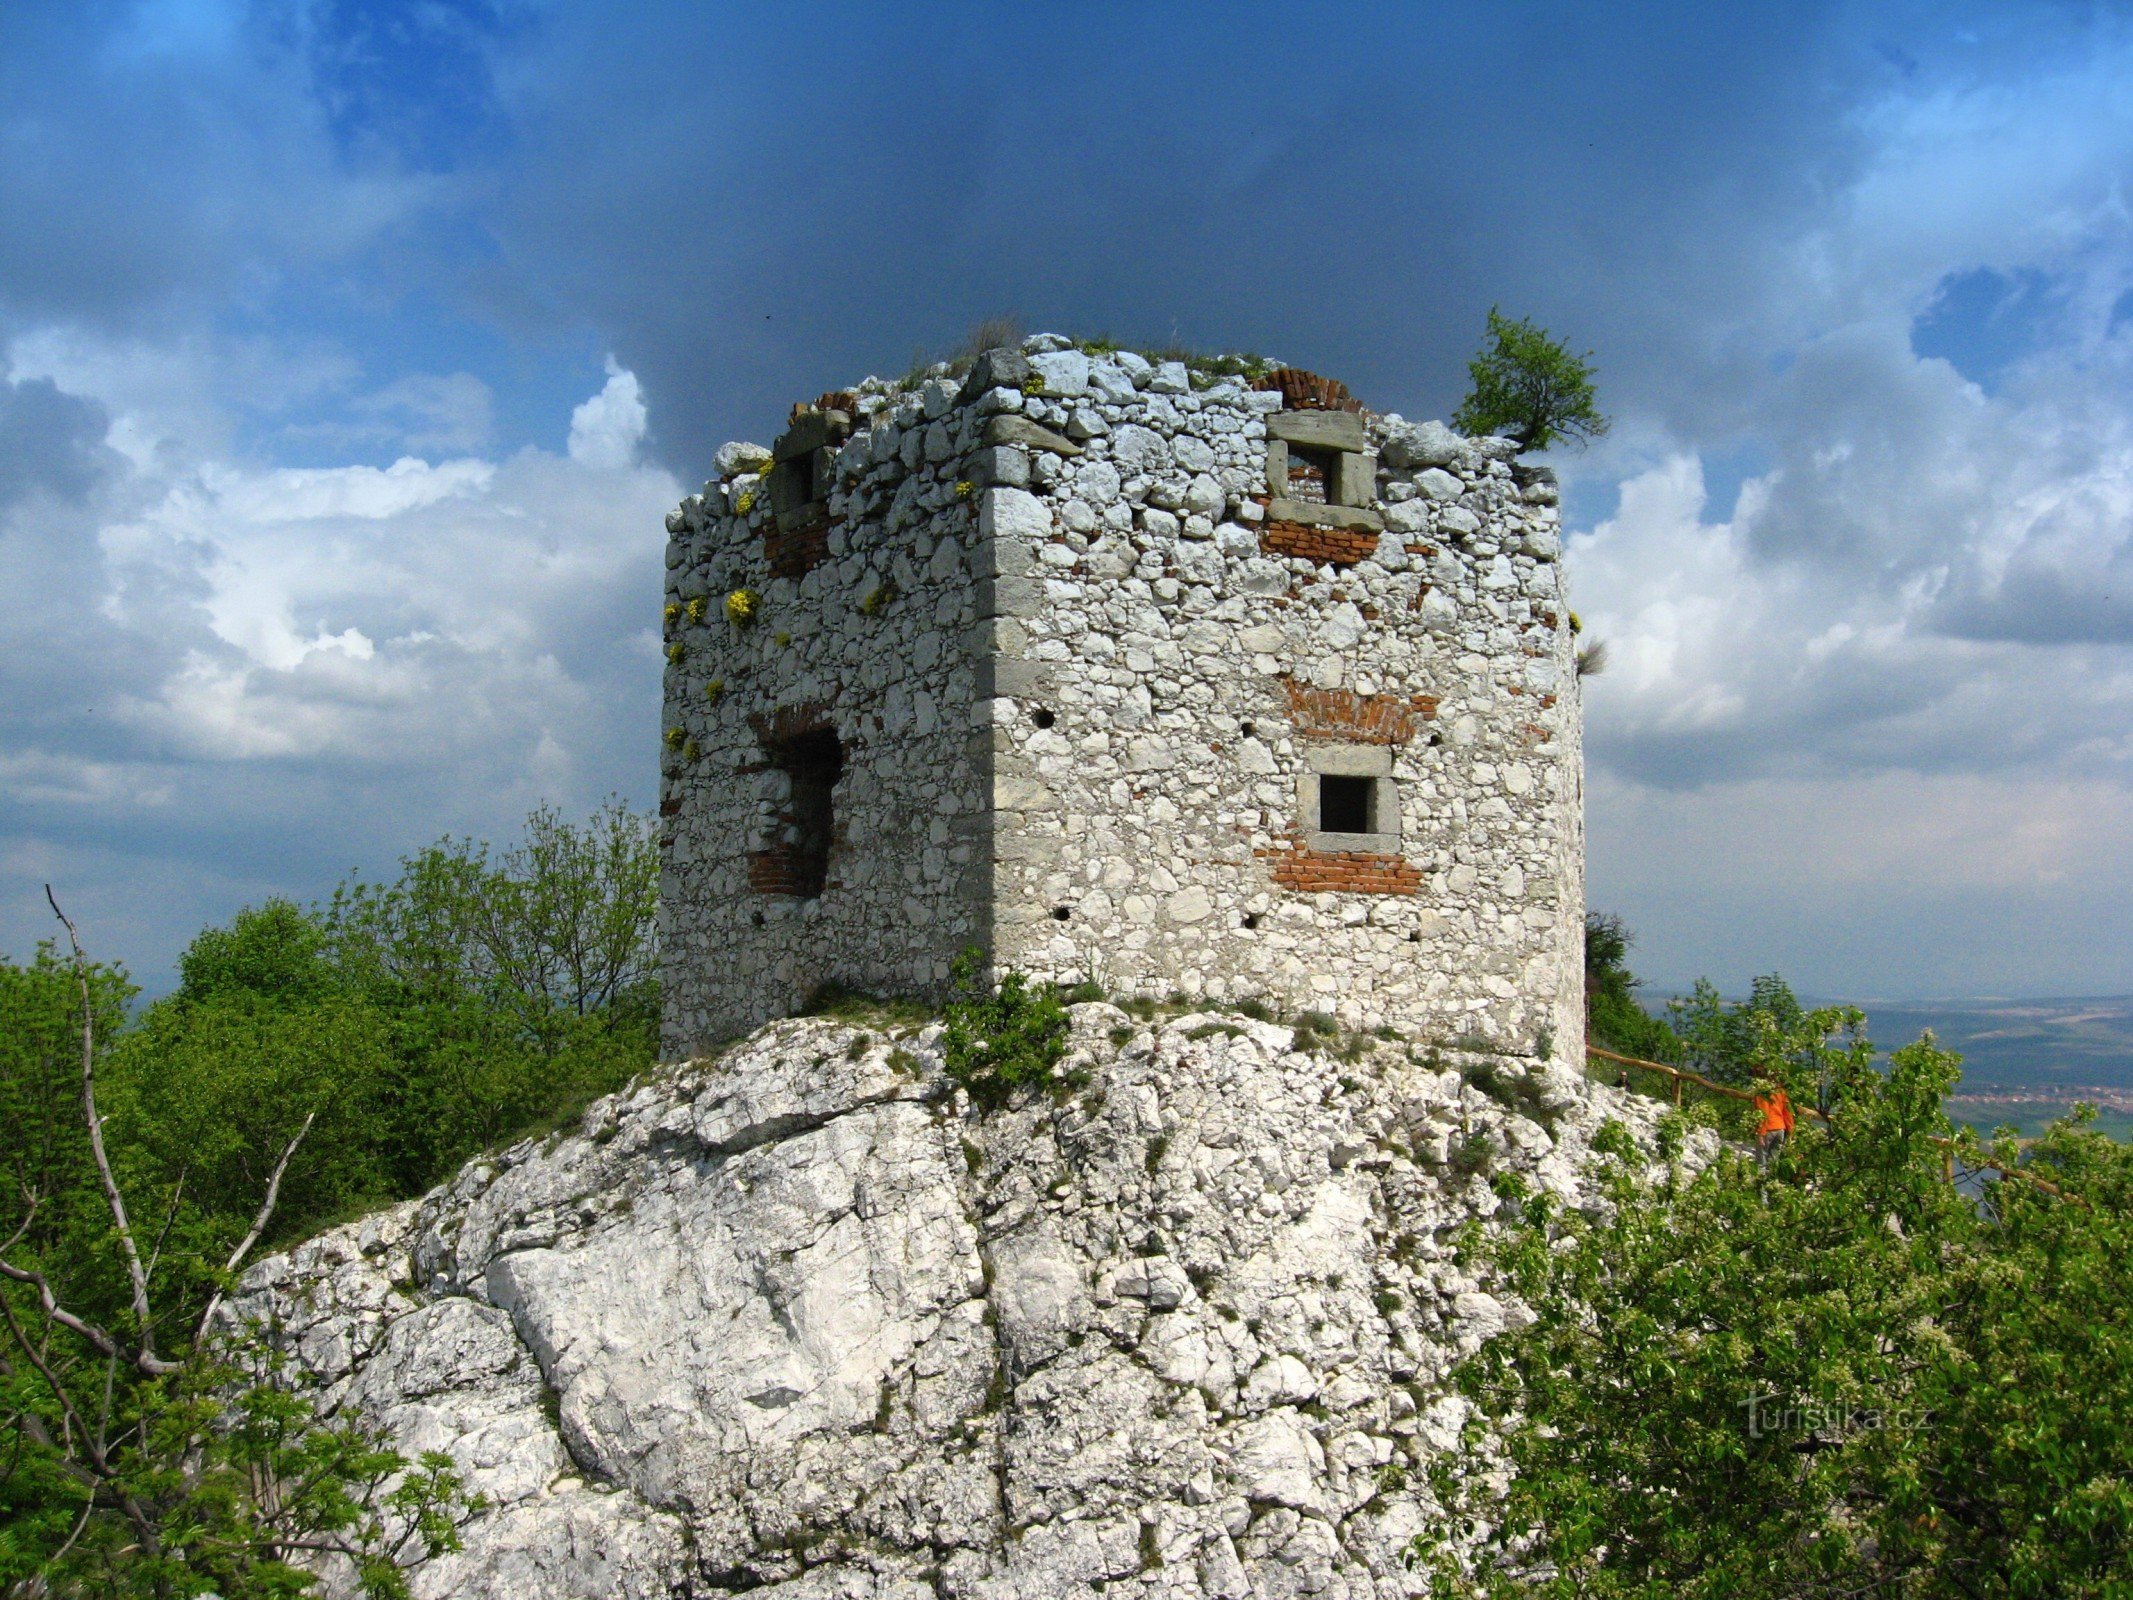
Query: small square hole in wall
(1311, 474)
(1345, 804)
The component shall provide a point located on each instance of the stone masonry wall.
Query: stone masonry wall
(1098, 673)
(863, 610)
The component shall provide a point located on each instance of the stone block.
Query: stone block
(999, 368)
(812, 431)
(1008, 677)
(1350, 760)
(1313, 515)
(736, 457)
(1010, 597)
(1006, 428)
(1064, 373)
(1430, 444)
(1355, 478)
(1361, 844)
(1319, 430)
(998, 467)
(1013, 514)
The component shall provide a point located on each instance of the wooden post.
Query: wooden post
(1677, 1092)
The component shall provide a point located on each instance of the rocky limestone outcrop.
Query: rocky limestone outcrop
(799, 1320)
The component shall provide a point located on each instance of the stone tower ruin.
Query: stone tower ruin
(1200, 682)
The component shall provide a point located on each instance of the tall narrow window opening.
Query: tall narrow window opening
(812, 763)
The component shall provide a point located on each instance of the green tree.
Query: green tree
(44, 1148)
(1530, 388)
(1769, 1033)
(149, 1450)
(1840, 1375)
(561, 925)
(210, 1091)
(1612, 1015)
(274, 952)
(312, 1061)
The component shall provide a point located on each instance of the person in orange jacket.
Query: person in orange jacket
(1776, 1127)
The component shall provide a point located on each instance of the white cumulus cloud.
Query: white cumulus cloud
(606, 430)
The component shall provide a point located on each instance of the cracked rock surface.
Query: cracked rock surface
(796, 1320)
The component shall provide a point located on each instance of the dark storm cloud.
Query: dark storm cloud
(50, 442)
(754, 208)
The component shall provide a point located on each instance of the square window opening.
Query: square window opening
(1311, 474)
(1347, 805)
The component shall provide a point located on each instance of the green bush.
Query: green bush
(1612, 1015)
(1838, 1374)
(1529, 387)
(999, 1040)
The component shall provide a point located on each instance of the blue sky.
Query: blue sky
(350, 353)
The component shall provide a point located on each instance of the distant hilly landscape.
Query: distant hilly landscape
(2026, 1061)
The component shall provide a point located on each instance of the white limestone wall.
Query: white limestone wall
(1158, 634)
(875, 642)
(1082, 698)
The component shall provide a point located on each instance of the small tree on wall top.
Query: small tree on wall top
(1528, 387)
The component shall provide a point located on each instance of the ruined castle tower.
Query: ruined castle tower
(1176, 681)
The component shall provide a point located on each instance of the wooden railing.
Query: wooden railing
(1682, 1075)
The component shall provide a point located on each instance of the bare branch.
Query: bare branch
(70, 1418)
(116, 1201)
(259, 1222)
(170, 1217)
(89, 1332)
(29, 1215)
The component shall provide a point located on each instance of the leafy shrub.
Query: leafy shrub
(1837, 1374)
(1612, 1015)
(1529, 387)
(998, 1040)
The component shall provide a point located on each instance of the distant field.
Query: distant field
(2022, 1044)
(2031, 1117)
(2025, 1061)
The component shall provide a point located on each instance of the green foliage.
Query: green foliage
(558, 925)
(44, 1148)
(1529, 387)
(274, 952)
(394, 1032)
(1768, 1034)
(234, 1477)
(996, 1041)
(1837, 1375)
(1612, 1016)
(140, 1459)
(214, 1089)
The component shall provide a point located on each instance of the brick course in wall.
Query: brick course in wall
(1333, 547)
(795, 552)
(1306, 871)
(1358, 718)
(784, 870)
